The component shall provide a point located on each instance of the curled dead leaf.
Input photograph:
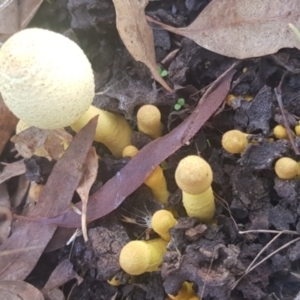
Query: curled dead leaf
(136, 34)
(47, 143)
(90, 170)
(243, 28)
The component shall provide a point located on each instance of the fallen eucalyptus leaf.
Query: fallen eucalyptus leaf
(136, 34)
(16, 289)
(243, 28)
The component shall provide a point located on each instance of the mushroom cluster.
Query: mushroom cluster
(47, 81)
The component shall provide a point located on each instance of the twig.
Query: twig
(249, 269)
(269, 231)
(285, 121)
(206, 276)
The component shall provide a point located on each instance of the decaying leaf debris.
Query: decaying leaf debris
(251, 249)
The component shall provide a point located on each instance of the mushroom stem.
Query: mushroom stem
(156, 181)
(203, 212)
(112, 130)
(194, 177)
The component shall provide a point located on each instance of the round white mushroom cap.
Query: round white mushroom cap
(45, 78)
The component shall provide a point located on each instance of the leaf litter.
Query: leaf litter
(56, 196)
(219, 259)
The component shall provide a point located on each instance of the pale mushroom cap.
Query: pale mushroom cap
(286, 168)
(45, 78)
(162, 220)
(193, 175)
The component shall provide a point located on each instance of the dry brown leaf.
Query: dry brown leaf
(62, 274)
(5, 223)
(27, 10)
(243, 28)
(15, 15)
(5, 213)
(90, 170)
(16, 289)
(9, 17)
(136, 34)
(12, 170)
(41, 142)
(56, 196)
(8, 123)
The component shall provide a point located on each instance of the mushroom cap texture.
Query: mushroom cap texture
(193, 175)
(162, 220)
(149, 115)
(234, 141)
(45, 78)
(135, 257)
(286, 168)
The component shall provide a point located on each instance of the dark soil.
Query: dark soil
(249, 196)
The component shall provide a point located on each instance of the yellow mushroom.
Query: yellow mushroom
(130, 151)
(148, 121)
(156, 181)
(230, 97)
(47, 81)
(297, 128)
(114, 281)
(161, 222)
(194, 177)
(112, 130)
(234, 141)
(280, 132)
(186, 292)
(287, 168)
(138, 257)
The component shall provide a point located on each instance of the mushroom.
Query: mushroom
(148, 121)
(47, 81)
(138, 257)
(186, 292)
(297, 128)
(234, 141)
(112, 129)
(156, 181)
(161, 222)
(130, 151)
(194, 176)
(287, 168)
(280, 132)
